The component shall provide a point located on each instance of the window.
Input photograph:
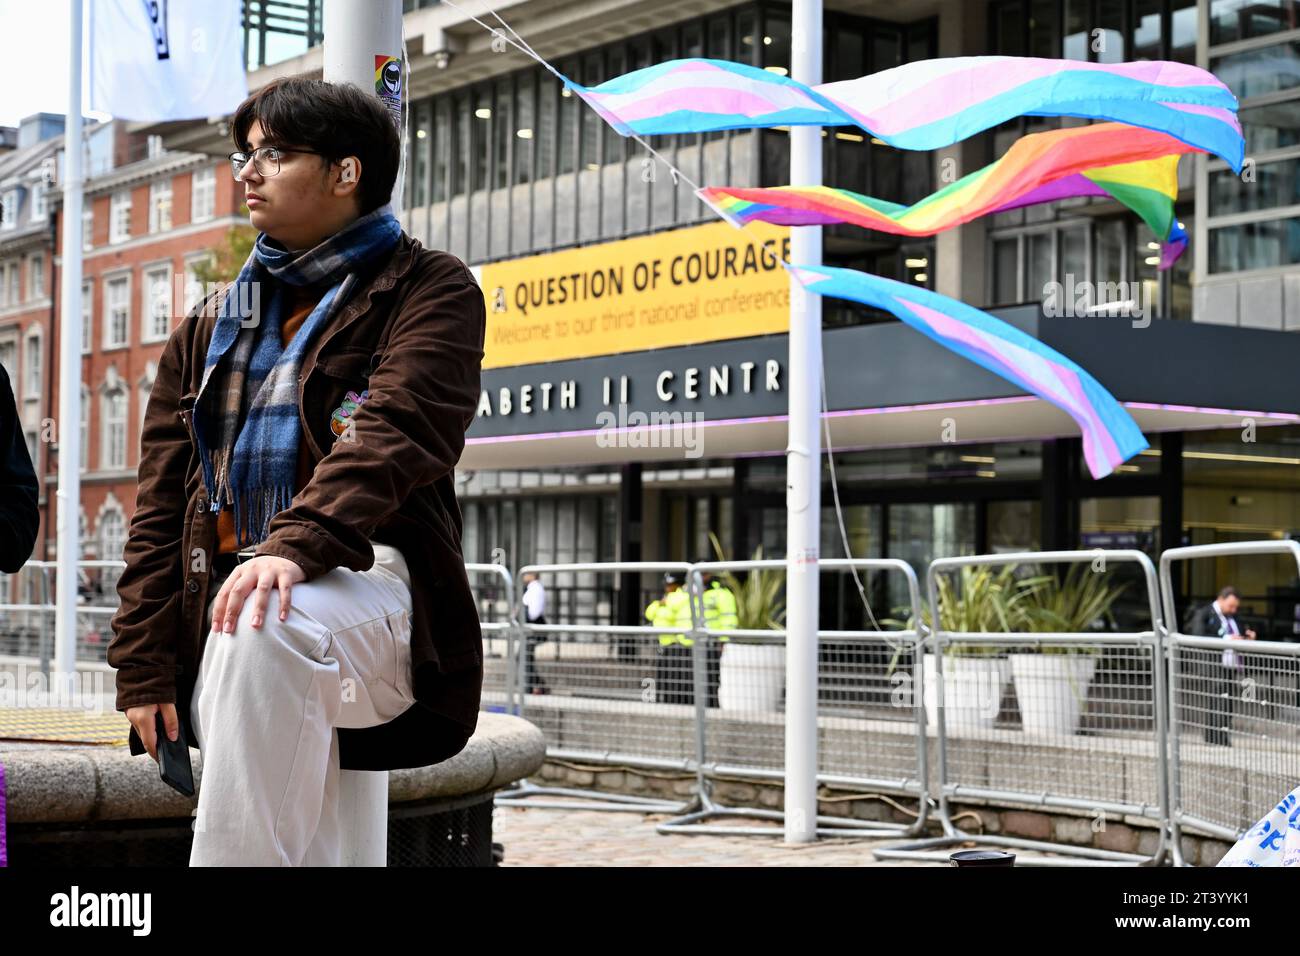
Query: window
(1255, 245)
(112, 438)
(1006, 277)
(119, 216)
(481, 138)
(117, 309)
(1074, 254)
(460, 167)
(503, 126)
(1232, 20)
(33, 362)
(1274, 184)
(87, 304)
(160, 206)
(565, 124)
(11, 285)
(203, 194)
(36, 276)
(9, 209)
(545, 136)
(1261, 70)
(156, 303)
(112, 541)
(1252, 218)
(421, 117)
(39, 205)
(524, 122)
(589, 123)
(1038, 265)
(87, 227)
(1270, 127)
(1109, 253)
(85, 430)
(441, 149)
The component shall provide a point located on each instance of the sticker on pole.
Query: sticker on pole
(388, 84)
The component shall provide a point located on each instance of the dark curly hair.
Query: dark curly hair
(334, 119)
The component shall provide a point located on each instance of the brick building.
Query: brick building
(150, 217)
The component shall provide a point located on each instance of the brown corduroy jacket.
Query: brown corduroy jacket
(392, 482)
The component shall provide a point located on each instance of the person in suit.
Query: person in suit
(1219, 619)
(534, 601)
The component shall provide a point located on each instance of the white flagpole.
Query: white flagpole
(355, 32)
(803, 457)
(68, 423)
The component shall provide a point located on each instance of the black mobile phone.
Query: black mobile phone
(173, 757)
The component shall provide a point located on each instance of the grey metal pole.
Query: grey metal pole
(69, 421)
(360, 39)
(803, 458)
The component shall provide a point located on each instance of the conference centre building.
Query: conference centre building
(635, 383)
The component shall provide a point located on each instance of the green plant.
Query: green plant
(759, 602)
(985, 602)
(229, 257)
(1070, 605)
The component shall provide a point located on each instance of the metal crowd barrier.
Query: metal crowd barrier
(20, 638)
(1115, 769)
(1234, 713)
(601, 705)
(617, 699)
(1169, 731)
(498, 639)
(871, 726)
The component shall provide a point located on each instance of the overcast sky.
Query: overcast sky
(34, 60)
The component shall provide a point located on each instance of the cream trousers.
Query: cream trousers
(267, 702)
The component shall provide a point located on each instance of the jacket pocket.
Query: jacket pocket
(343, 390)
(351, 365)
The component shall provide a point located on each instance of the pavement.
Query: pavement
(552, 837)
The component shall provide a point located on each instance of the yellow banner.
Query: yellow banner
(698, 284)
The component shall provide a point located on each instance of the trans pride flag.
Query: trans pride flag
(1140, 170)
(928, 104)
(1110, 436)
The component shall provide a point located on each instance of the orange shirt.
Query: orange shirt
(301, 301)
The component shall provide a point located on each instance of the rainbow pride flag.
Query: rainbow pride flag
(1110, 436)
(925, 105)
(1140, 170)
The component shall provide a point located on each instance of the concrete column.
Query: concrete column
(960, 269)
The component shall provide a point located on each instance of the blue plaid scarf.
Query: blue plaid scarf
(252, 465)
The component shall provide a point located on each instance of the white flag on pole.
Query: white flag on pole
(162, 60)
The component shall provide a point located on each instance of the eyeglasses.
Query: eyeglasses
(266, 159)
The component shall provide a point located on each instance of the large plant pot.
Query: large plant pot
(972, 691)
(1051, 689)
(751, 676)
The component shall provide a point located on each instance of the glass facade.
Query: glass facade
(514, 166)
(276, 30)
(1255, 50)
(551, 529)
(510, 166)
(1092, 240)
